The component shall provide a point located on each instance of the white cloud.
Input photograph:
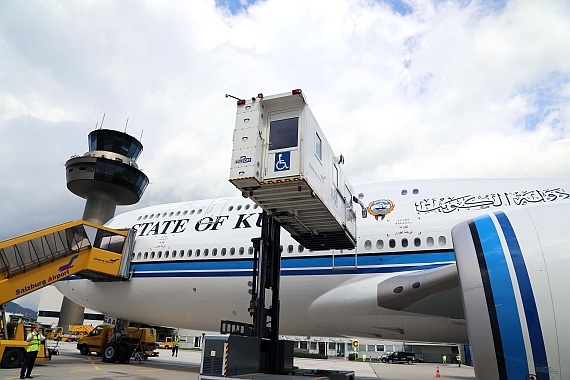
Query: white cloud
(444, 91)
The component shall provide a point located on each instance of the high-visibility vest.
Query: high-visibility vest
(34, 344)
(176, 340)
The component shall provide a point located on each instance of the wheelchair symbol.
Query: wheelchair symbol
(282, 161)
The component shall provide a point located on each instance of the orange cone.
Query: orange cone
(437, 375)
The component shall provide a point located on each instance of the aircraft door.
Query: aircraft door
(283, 153)
(344, 259)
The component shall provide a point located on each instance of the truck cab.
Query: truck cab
(118, 347)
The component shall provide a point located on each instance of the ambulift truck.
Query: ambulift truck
(38, 259)
(282, 161)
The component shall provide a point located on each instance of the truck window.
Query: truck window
(318, 146)
(283, 133)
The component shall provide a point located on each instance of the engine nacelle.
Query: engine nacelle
(513, 270)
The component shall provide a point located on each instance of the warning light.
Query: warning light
(296, 92)
(240, 102)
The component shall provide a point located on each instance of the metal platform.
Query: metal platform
(294, 204)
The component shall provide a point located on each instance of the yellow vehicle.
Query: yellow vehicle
(13, 346)
(167, 344)
(76, 332)
(119, 347)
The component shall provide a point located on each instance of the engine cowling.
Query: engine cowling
(513, 271)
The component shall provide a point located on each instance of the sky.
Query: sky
(403, 89)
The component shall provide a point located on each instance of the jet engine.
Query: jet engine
(513, 268)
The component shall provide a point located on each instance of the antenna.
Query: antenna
(96, 125)
(103, 120)
(127, 123)
(142, 130)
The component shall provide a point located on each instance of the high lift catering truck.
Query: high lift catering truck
(38, 259)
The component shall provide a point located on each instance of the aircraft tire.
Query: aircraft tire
(112, 352)
(13, 358)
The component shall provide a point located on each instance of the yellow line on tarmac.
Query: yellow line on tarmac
(94, 365)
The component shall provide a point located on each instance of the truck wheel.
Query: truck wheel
(84, 350)
(390, 361)
(112, 352)
(127, 352)
(410, 362)
(13, 358)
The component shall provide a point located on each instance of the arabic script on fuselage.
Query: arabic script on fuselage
(481, 202)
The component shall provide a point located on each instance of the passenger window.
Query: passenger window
(181, 253)
(301, 248)
(215, 252)
(367, 245)
(232, 251)
(379, 244)
(152, 255)
(146, 255)
(206, 251)
(404, 192)
(139, 255)
(250, 251)
(239, 207)
(404, 242)
(166, 254)
(417, 242)
(429, 241)
(442, 241)
(189, 253)
(223, 253)
(241, 250)
(246, 207)
(289, 249)
(173, 254)
(318, 147)
(197, 253)
(159, 255)
(392, 243)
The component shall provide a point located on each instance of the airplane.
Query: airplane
(192, 262)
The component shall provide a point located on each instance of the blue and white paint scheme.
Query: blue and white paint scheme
(513, 268)
(192, 263)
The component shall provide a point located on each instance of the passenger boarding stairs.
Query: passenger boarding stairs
(33, 261)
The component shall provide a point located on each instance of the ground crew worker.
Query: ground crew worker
(34, 339)
(175, 344)
(458, 358)
(444, 359)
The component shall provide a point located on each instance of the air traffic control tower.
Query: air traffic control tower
(106, 176)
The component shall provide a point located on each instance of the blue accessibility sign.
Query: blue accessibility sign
(282, 161)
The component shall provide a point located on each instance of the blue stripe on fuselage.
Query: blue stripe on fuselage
(372, 263)
(527, 296)
(504, 297)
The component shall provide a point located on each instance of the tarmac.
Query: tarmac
(71, 365)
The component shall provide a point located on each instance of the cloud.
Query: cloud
(404, 89)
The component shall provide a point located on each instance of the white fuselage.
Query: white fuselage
(192, 261)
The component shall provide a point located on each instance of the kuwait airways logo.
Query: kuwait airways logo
(380, 208)
(69, 265)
